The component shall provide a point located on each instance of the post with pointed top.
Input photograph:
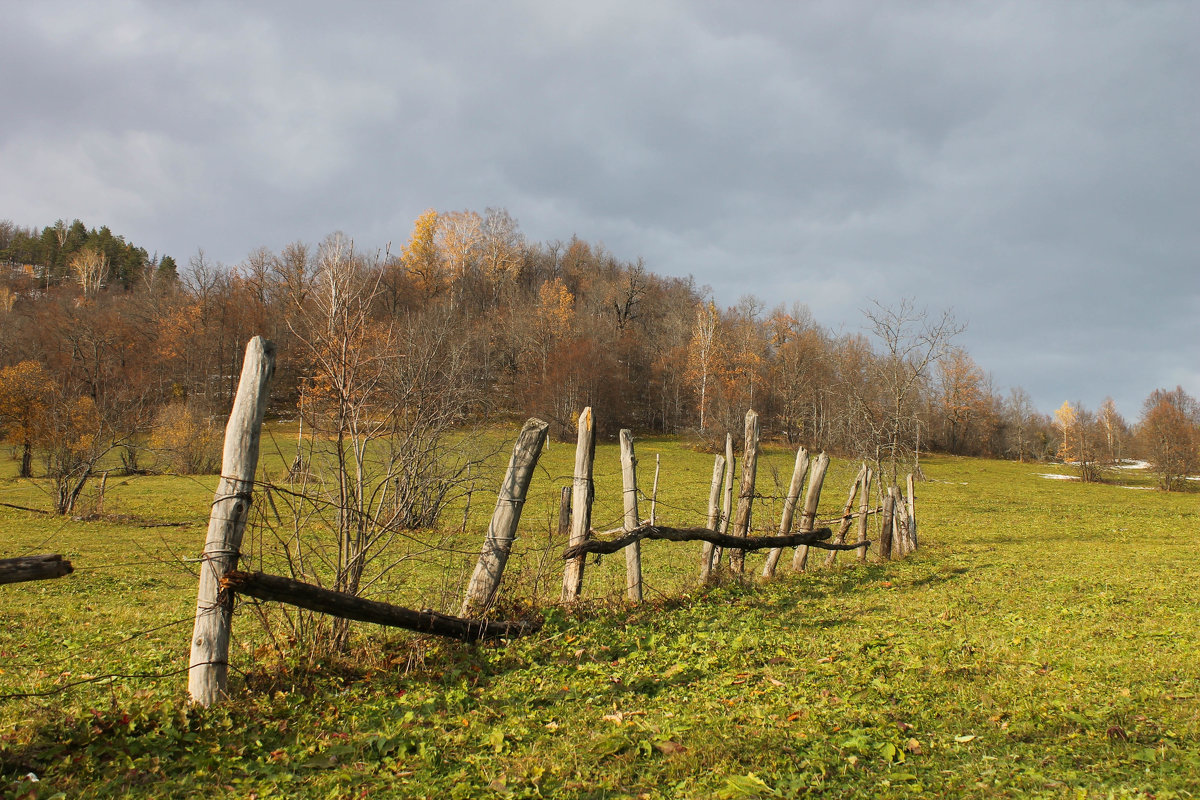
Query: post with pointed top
(864, 509)
(502, 530)
(847, 516)
(208, 666)
(581, 503)
(741, 524)
(714, 499)
(789, 510)
(633, 553)
(812, 498)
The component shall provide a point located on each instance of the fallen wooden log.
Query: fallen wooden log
(33, 568)
(314, 598)
(812, 539)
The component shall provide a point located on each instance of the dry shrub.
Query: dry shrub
(186, 441)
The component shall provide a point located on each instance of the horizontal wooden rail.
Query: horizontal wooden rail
(338, 604)
(812, 539)
(33, 568)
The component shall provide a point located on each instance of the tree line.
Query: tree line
(104, 347)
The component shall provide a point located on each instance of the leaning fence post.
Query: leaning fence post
(864, 509)
(581, 503)
(847, 517)
(741, 525)
(502, 530)
(789, 510)
(633, 553)
(812, 498)
(714, 499)
(208, 665)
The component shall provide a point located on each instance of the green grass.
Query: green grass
(1042, 643)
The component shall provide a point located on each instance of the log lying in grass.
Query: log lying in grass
(812, 539)
(314, 598)
(33, 568)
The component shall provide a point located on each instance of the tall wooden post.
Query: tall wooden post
(847, 517)
(502, 530)
(864, 507)
(812, 498)
(714, 500)
(581, 502)
(741, 524)
(789, 510)
(208, 665)
(633, 553)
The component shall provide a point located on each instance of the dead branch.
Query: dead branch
(812, 539)
(338, 604)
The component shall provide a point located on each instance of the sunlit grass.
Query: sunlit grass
(1043, 642)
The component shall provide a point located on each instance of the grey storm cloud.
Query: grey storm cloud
(1032, 165)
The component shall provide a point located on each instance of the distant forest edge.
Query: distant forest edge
(472, 321)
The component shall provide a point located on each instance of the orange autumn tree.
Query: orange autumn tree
(26, 393)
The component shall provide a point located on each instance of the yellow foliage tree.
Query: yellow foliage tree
(26, 393)
(421, 257)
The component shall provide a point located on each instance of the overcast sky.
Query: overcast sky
(1032, 165)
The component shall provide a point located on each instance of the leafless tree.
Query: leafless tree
(913, 342)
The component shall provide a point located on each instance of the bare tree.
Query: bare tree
(913, 342)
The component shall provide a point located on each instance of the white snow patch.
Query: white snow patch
(1056, 477)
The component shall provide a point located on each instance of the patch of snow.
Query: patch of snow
(1132, 464)
(1056, 477)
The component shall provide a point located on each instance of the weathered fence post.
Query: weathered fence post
(654, 491)
(741, 524)
(208, 665)
(864, 509)
(847, 517)
(727, 497)
(564, 512)
(900, 526)
(885, 525)
(812, 498)
(581, 503)
(633, 553)
(714, 500)
(789, 510)
(912, 512)
(502, 530)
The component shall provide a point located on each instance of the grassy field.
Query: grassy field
(1043, 642)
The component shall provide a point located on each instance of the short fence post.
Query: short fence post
(864, 510)
(208, 665)
(789, 510)
(741, 524)
(885, 527)
(714, 499)
(912, 512)
(502, 530)
(727, 499)
(633, 553)
(808, 520)
(847, 518)
(581, 503)
(564, 512)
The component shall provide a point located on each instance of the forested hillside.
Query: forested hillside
(471, 317)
